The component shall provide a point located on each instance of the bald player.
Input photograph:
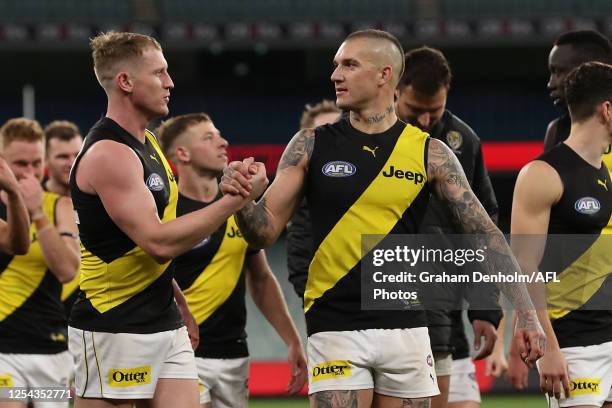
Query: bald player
(357, 357)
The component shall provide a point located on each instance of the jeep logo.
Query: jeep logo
(587, 205)
(339, 169)
(417, 178)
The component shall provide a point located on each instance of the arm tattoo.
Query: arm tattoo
(452, 187)
(336, 399)
(252, 221)
(301, 145)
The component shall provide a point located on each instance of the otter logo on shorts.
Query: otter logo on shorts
(584, 386)
(129, 377)
(6, 380)
(331, 369)
(155, 182)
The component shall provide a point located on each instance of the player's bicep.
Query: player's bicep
(123, 193)
(536, 190)
(285, 193)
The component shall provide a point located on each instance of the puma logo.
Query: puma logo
(154, 158)
(369, 149)
(603, 183)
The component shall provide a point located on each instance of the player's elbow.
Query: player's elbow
(67, 273)
(159, 252)
(20, 248)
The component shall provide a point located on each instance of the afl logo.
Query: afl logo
(587, 205)
(155, 182)
(339, 169)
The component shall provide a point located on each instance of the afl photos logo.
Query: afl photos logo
(155, 182)
(339, 169)
(587, 205)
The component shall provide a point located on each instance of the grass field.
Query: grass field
(528, 401)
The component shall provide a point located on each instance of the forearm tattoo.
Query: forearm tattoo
(452, 187)
(253, 222)
(254, 219)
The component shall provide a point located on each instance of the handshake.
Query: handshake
(246, 178)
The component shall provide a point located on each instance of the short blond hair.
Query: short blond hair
(312, 111)
(27, 130)
(113, 47)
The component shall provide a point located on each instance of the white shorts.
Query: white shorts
(36, 370)
(398, 362)
(127, 365)
(463, 383)
(224, 382)
(443, 363)
(590, 371)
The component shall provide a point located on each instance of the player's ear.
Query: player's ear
(124, 81)
(386, 74)
(182, 154)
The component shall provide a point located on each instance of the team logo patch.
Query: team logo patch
(430, 360)
(331, 369)
(6, 380)
(129, 377)
(587, 205)
(155, 182)
(454, 139)
(339, 169)
(584, 386)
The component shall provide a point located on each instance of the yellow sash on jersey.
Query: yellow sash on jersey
(217, 281)
(376, 211)
(24, 274)
(583, 278)
(108, 285)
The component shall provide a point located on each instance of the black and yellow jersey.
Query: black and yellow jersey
(580, 306)
(360, 184)
(122, 288)
(607, 159)
(211, 276)
(32, 319)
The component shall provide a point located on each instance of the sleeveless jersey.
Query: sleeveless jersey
(211, 276)
(122, 288)
(580, 307)
(360, 184)
(32, 319)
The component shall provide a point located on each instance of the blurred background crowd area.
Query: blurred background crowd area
(254, 64)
